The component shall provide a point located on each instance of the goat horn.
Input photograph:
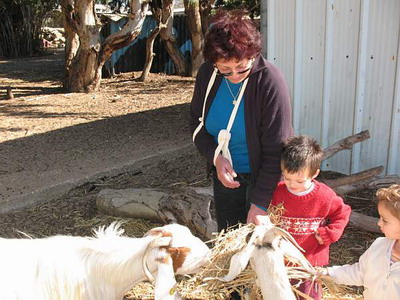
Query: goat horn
(159, 241)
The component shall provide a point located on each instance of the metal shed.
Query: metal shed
(340, 59)
(132, 57)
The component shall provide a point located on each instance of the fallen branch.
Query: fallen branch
(371, 183)
(186, 206)
(347, 143)
(353, 178)
(364, 222)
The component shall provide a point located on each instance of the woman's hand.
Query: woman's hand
(257, 216)
(225, 172)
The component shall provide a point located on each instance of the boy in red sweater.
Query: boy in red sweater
(314, 215)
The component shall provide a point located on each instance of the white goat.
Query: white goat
(102, 267)
(265, 251)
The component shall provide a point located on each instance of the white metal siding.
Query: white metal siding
(340, 59)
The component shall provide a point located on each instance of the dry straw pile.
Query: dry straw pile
(205, 284)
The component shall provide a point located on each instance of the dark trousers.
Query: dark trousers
(232, 205)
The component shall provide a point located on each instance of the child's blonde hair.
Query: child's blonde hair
(390, 198)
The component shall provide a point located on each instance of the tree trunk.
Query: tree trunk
(193, 17)
(157, 12)
(149, 49)
(80, 19)
(86, 61)
(165, 13)
(71, 48)
(205, 13)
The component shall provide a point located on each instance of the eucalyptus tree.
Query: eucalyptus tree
(85, 52)
(197, 13)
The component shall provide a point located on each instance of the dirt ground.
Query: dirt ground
(40, 106)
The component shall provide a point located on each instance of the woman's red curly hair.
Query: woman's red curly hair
(232, 35)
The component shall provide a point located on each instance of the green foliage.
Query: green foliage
(20, 25)
(36, 5)
(252, 6)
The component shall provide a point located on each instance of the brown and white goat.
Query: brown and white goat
(102, 267)
(265, 250)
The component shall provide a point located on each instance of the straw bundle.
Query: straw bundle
(205, 284)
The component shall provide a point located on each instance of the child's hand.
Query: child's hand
(319, 238)
(321, 271)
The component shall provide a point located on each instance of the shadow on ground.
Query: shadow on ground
(71, 155)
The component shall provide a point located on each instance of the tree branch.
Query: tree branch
(346, 143)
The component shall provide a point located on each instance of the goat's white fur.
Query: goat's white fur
(90, 268)
(265, 250)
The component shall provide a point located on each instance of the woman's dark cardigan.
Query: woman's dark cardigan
(267, 119)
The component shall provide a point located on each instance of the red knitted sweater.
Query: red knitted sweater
(320, 210)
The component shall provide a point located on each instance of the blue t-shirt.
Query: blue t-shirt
(218, 118)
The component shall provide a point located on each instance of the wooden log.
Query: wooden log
(188, 206)
(192, 209)
(346, 143)
(357, 177)
(364, 222)
(371, 183)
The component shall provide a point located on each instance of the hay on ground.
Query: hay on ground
(205, 284)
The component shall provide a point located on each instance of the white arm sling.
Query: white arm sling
(224, 135)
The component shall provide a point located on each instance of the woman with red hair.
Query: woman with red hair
(239, 116)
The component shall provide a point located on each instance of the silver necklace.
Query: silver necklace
(230, 91)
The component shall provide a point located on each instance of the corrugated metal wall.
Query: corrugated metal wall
(340, 59)
(132, 57)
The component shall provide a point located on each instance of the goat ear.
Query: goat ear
(178, 255)
(287, 236)
(165, 282)
(291, 249)
(294, 254)
(158, 242)
(240, 260)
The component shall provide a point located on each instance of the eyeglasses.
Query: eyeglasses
(231, 73)
(237, 72)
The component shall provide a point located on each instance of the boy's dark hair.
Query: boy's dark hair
(301, 152)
